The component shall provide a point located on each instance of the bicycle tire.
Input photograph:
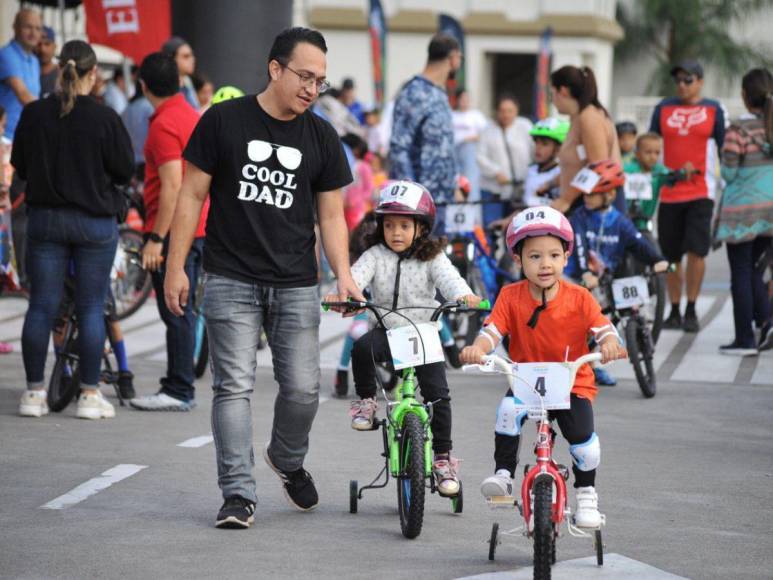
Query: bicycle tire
(200, 350)
(61, 387)
(543, 534)
(493, 541)
(658, 290)
(410, 483)
(131, 289)
(640, 352)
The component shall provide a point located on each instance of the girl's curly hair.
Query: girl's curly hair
(424, 248)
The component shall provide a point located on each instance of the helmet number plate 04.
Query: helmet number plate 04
(585, 180)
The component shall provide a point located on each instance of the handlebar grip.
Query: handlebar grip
(484, 305)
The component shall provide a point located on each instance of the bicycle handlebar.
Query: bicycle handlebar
(495, 363)
(351, 305)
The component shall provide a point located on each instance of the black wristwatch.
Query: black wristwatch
(154, 237)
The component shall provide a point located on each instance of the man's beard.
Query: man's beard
(451, 75)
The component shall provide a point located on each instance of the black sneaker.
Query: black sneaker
(126, 385)
(673, 322)
(237, 513)
(298, 485)
(766, 337)
(452, 355)
(341, 386)
(690, 323)
(735, 349)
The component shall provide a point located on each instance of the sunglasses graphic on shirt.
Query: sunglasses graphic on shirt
(259, 151)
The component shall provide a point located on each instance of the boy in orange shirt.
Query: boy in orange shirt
(548, 320)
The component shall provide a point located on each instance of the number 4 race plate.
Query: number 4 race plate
(553, 382)
(630, 292)
(412, 348)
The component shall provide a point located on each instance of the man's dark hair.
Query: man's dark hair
(288, 39)
(159, 73)
(441, 46)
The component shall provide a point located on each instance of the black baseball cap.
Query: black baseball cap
(692, 67)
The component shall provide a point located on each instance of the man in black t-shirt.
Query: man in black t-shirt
(267, 162)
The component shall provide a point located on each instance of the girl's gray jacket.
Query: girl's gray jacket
(381, 269)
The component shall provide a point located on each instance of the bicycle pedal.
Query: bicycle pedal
(502, 501)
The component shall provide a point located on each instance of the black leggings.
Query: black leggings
(431, 378)
(576, 426)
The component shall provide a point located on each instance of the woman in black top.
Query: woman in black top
(71, 151)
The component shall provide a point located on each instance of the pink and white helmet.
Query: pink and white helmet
(405, 197)
(539, 221)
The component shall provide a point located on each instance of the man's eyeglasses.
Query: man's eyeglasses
(684, 80)
(308, 80)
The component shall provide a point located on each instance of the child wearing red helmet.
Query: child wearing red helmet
(547, 320)
(404, 267)
(603, 235)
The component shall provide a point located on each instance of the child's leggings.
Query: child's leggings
(576, 426)
(431, 379)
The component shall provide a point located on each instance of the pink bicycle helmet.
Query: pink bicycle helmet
(406, 197)
(539, 221)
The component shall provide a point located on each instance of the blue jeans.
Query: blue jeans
(493, 209)
(236, 311)
(54, 237)
(180, 330)
(750, 293)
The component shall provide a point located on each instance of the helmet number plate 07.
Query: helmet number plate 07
(585, 180)
(415, 345)
(403, 193)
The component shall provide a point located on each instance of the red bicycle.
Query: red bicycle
(538, 388)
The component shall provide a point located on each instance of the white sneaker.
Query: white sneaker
(497, 485)
(587, 513)
(94, 406)
(34, 403)
(161, 402)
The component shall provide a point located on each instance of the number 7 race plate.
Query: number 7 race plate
(412, 348)
(553, 382)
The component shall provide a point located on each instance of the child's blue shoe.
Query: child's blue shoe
(603, 378)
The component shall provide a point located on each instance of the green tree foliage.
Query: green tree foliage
(675, 30)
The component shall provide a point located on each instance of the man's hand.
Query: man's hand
(151, 256)
(611, 349)
(661, 266)
(472, 355)
(471, 300)
(590, 280)
(502, 179)
(346, 289)
(176, 288)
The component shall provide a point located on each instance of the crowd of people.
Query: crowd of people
(245, 187)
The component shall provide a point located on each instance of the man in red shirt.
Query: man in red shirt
(693, 129)
(170, 128)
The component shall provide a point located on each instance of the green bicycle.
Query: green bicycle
(406, 430)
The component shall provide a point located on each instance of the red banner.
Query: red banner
(134, 27)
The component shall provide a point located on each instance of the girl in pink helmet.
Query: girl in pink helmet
(547, 319)
(404, 268)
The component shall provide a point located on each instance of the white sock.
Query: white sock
(504, 473)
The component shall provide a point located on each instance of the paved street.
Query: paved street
(686, 480)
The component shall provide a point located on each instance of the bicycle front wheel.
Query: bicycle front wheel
(200, 348)
(64, 378)
(410, 483)
(130, 284)
(544, 533)
(641, 352)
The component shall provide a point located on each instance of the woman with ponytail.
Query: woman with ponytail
(592, 136)
(746, 215)
(70, 150)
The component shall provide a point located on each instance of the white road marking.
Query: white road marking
(197, 441)
(615, 566)
(93, 486)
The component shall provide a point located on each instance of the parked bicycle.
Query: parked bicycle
(539, 388)
(406, 431)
